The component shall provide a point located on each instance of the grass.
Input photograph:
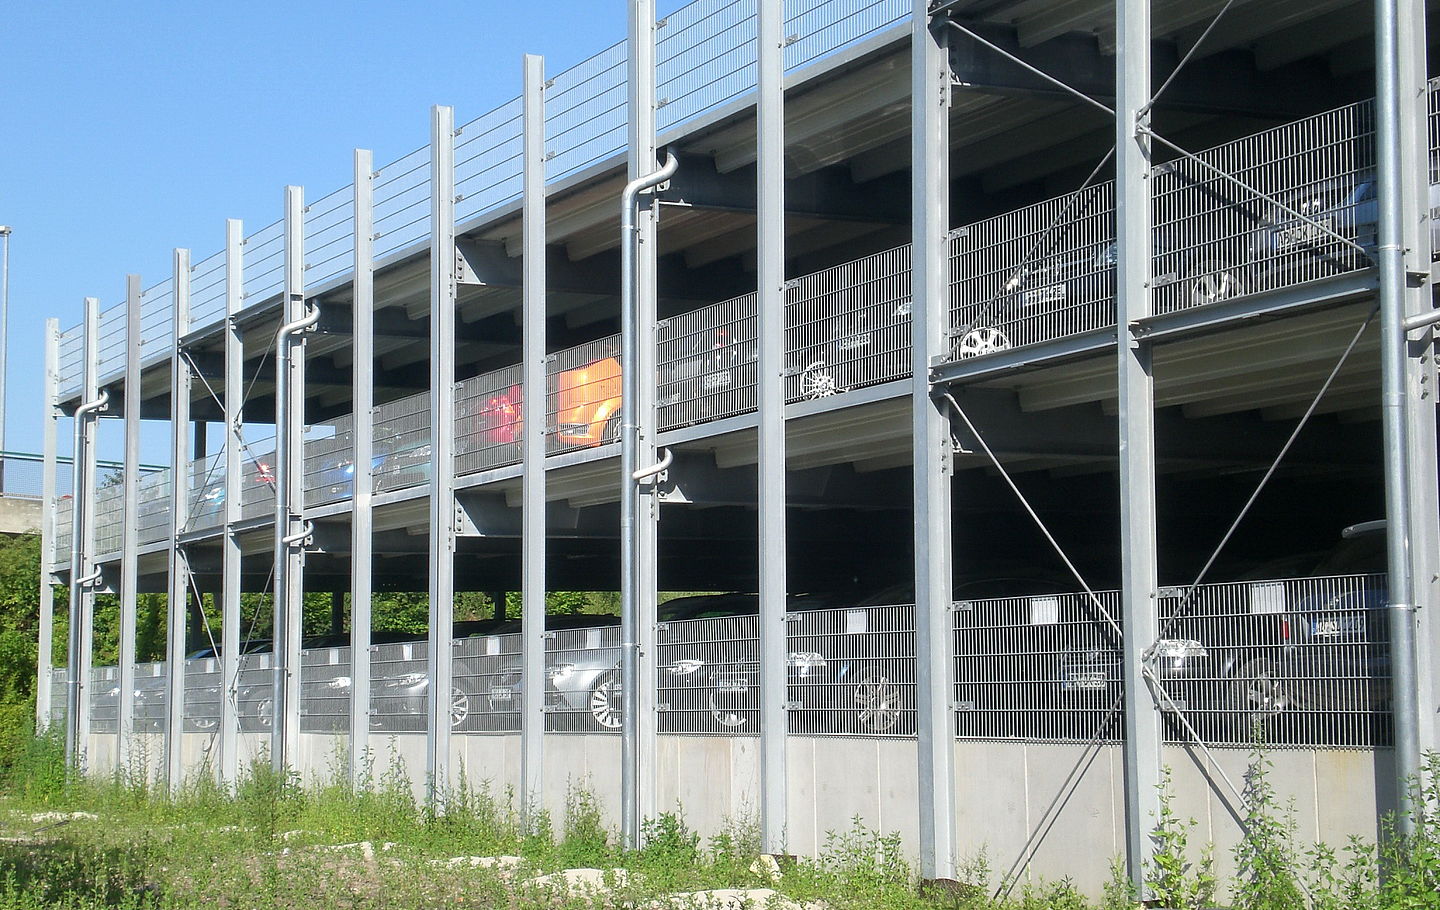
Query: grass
(276, 844)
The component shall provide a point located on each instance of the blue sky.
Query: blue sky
(129, 129)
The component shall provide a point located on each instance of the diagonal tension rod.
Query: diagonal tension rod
(1029, 67)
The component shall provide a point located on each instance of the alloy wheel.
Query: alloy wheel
(605, 702)
(981, 340)
(877, 703)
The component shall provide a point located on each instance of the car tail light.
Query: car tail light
(1285, 630)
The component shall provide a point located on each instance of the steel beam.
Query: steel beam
(129, 529)
(770, 401)
(290, 488)
(231, 552)
(44, 683)
(178, 588)
(533, 401)
(82, 545)
(933, 454)
(1136, 403)
(362, 433)
(1392, 157)
(442, 451)
(640, 503)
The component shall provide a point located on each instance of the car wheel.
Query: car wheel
(1259, 695)
(980, 340)
(726, 700)
(605, 702)
(459, 707)
(611, 431)
(876, 704)
(817, 381)
(258, 714)
(1212, 281)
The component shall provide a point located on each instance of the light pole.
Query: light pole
(4, 337)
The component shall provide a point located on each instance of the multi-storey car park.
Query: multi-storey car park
(875, 263)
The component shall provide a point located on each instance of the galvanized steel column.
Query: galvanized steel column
(770, 326)
(129, 528)
(1395, 374)
(932, 450)
(82, 545)
(289, 489)
(178, 594)
(1136, 395)
(443, 281)
(533, 399)
(231, 554)
(44, 683)
(362, 434)
(640, 504)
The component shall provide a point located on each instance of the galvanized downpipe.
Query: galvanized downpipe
(630, 500)
(78, 508)
(1390, 257)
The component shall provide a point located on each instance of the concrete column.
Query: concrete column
(932, 449)
(533, 400)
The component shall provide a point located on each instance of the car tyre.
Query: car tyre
(818, 381)
(1212, 281)
(1258, 696)
(980, 340)
(876, 704)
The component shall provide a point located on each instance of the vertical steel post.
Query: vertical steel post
(639, 503)
(1394, 376)
(178, 592)
(362, 431)
(770, 325)
(129, 528)
(1422, 466)
(932, 449)
(231, 554)
(1136, 398)
(290, 488)
(533, 398)
(82, 546)
(443, 280)
(44, 683)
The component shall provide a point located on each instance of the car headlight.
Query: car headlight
(806, 660)
(559, 672)
(686, 667)
(1179, 649)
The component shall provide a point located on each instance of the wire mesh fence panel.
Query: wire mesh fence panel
(848, 326)
(71, 364)
(399, 687)
(584, 387)
(207, 291)
(64, 527)
(104, 700)
(1295, 662)
(255, 693)
(153, 499)
(109, 506)
(1038, 668)
(705, 56)
(157, 322)
(487, 673)
(402, 443)
(488, 160)
(851, 670)
(585, 113)
(59, 703)
(707, 362)
(708, 676)
(329, 236)
(206, 492)
(815, 29)
(582, 680)
(22, 476)
(257, 478)
(1042, 272)
(263, 268)
(325, 686)
(151, 699)
(204, 688)
(110, 358)
(402, 202)
(1287, 205)
(329, 462)
(488, 422)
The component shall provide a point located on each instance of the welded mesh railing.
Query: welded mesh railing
(585, 113)
(329, 462)
(325, 686)
(488, 162)
(109, 506)
(22, 476)
(1291, 204)
(402, 202)
(59, 680)
(153, 497)
(398, 687)
(71, 363)
(104, 700)
(203, 692)
(257, 478)
(255, 693)
(487, 676)
(157, 321)
(852, 670)
(64, 525)
(1038, 668)
(150, 697)
(207, 291)
(206, 493)
(1296, 662)
(488, 420)
(583, 407)
(707, 363)
(263, 270)
(330, 236)
(402, 443)
(708, 675)
(110, 356)
(582, 680)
